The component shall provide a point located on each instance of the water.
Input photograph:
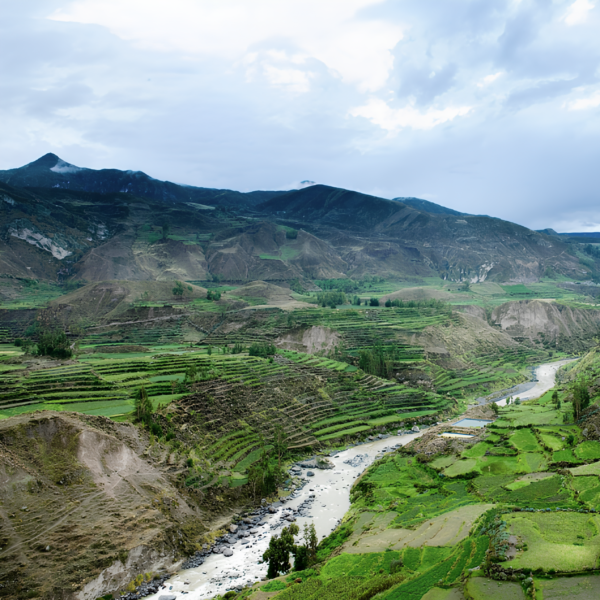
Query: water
(331, 489)
(455, 435)
(472, 423)
(543, 377)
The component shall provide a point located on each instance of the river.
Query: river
(331, 490)
(545, 375)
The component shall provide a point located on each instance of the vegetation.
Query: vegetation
(54, 343)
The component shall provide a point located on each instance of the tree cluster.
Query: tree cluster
(262, 350)
(331, 299)
(280, 548)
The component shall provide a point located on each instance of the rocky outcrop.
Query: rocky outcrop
(312, 340)
(545, 321)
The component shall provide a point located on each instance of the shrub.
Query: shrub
(54, 343)
(396, 566)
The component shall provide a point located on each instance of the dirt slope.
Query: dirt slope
(548, 321)
(109, 299)
(85, 505)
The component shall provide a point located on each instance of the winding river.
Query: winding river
(325, 498)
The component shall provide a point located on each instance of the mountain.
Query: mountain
(585, 234)
(429, 207)
(373, 234)
(50, 171)
(61, 222)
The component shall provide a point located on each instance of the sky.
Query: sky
(487, 107)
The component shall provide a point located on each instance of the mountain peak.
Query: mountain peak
(45, 162)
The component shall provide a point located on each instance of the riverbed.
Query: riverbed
(330, 491)
(543, 380)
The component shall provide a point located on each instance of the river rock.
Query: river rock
(168, 597)
(228, 552)
(233, 528)
(310, 474)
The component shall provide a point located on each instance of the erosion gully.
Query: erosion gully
(323, 500)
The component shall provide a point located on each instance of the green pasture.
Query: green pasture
(563, 541)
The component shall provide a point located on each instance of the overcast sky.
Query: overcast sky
(485, 106)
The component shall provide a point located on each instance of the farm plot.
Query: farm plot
(480, 588)
(565, 541)
(585, 587)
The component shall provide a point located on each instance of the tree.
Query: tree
(143, 405)
(263, 475)
(278, 552)
(280, 443)
(494, 407)
(178, 290)
(165, 230)
(388, 303)
(555, 399)
(312, 541)
(581, 397)
(191, 373)
(373, 301)
(54, 343)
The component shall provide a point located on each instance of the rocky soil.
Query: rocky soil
(87, 504)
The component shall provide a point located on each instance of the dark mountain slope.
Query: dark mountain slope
(430, 207)
(50, 171)
(396, 238)
(335, 207)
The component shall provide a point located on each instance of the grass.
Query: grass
(566, 542)
(479, 588)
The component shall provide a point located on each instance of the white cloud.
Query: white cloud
(489, 79)
(578, 12)
(290, 79)
(393, 119)
(584, 103)
(357, 49)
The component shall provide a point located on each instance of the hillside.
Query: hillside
(475, 248)
(96, 492)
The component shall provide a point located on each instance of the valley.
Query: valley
(170, 355)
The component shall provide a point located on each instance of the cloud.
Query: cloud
(393, 119)
(591, 101)
(358, 50)
(578, 12)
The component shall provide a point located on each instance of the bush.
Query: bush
(373, 301)
(396, 566)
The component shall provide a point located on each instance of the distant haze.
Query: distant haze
(482, 107)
